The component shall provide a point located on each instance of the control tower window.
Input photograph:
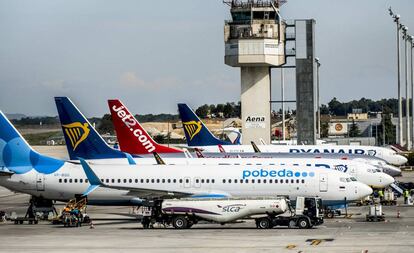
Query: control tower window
(238, 16)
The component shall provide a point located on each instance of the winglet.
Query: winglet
(255, 148)
(94, 181)
(131, 160)
(158, 158)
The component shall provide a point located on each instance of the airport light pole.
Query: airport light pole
(407, 96)
(412, 86)
(318, 112)
(396, 18)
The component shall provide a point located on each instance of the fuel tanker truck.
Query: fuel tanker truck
(267, 212)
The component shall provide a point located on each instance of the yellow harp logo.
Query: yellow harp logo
(76, 133)
(192, 128)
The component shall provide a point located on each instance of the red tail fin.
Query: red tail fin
(132, 137)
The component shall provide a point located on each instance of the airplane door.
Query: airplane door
(187, 182)
(40, 182)
(323, 182)
(197, 183)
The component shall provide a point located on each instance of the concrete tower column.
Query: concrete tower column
(255, 96)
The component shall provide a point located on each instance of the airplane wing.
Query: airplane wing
(148, 193)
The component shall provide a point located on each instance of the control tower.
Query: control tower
(255, 41)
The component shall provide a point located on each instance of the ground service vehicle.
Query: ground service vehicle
(185, 213)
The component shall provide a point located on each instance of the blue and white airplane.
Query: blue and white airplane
(199, 136)
(24, 170)
(90, 139)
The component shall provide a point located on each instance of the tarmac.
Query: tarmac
(117, 229)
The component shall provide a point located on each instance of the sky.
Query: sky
(155, 54)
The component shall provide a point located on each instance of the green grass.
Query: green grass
(40, 138)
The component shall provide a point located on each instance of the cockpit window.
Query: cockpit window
(348, 180)
(342, 179)
(353, 179)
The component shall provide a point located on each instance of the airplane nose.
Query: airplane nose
(387, 180)
(392, 170)
(400, 160)
(364, 190)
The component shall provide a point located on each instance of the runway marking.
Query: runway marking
(316, 242)
(290, 246)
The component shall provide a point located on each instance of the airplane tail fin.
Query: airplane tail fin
(196, 133)
(82, 140)
(17, 155)
(131, 135)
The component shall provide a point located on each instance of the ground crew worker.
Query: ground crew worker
(406, 196)
(381, 195)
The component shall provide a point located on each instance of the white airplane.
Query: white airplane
(197, 135)
(70, 115)
(24, 170)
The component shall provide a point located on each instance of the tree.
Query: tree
(228, 110)
(203, 111)
(105, 125)
(388, 127)
(354, 130)
(324, 129)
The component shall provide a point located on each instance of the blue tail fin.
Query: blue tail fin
(17, 155)
(196, 133)
(81, 138)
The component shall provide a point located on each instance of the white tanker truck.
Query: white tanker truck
(184, 213)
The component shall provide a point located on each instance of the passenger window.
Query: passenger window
(142, 180)
(174, 180)
(147, 181)
(152, 180)
(86, 180)
(70, 180)
(136, 181)
(65, 180)
(258, 181)
(287, 181)
(202, 181)
(297, 181)
(76, 180)
(303, 181)
(252, 181)
(163, 180)
(247, 181)
(270, 181)
(125, 181)
(107, 180)
(197, 181)
(281, 181)
(276, 181)
(168, 180)
(187, 180)
(113, 180)
(292, 181)
(130, 180)
(119, 180)
(224, 181)
(81, 180)
(60, 180)
(229, 181)
(158, 180)
(235, 181)
(181, 181)
(207, 181)
(264, 181)
(241, 181)
(212, 181)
